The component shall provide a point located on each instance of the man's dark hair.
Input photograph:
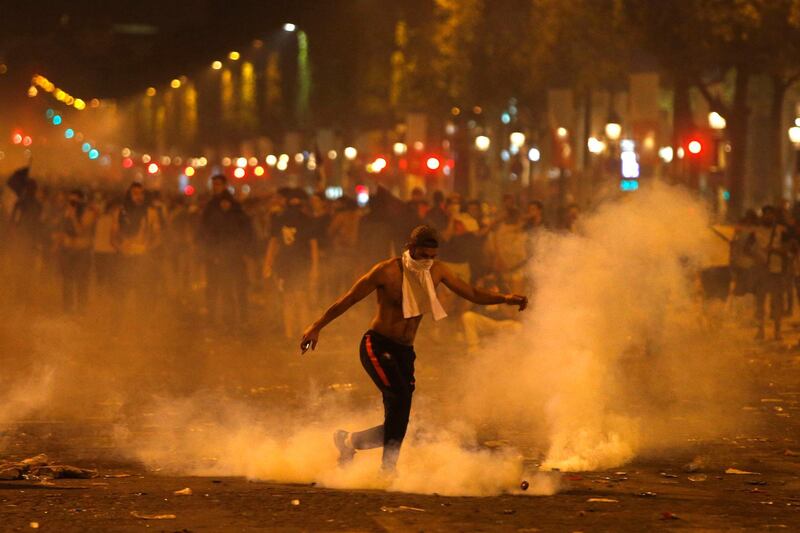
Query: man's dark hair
(424, 237)
(220, 177)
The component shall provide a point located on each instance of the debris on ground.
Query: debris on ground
(648, 494)
(669, 516)
(183, 492)
(696, 465)
(386, 509)
(736, 471)
(697, 477)
(602, 500)
(165, 516)
(40, 466)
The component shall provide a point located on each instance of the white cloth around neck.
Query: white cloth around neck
(419, 294)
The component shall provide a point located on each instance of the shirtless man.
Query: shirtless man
(405, 287)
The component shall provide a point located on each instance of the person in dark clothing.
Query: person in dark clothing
(26, 237)
(437, 217)
(226, 234)
(293, 256)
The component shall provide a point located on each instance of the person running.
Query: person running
(406, 288)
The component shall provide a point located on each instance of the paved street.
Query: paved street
(679, 487)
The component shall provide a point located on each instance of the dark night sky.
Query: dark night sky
(79, 45)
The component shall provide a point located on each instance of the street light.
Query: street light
(534, 154)
(716, 121)
(482, 143)
(350, 153)
(289, 27)
(595, 145)
(613, 131)
(794, 135)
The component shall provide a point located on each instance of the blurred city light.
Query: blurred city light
(613, 130)
(433, 163)
(716, 121)
(794, 135)
(695, 147)
(175, 84)
(289, 27)
(152, 168)
(234, 55)
(666, 154)
(239, 172)
(562, 133)
(350, 153)
(271, 160)
(482, 143)
(69, 133)
(399, 148)
(216, 65)
(517, 139)
(595, 145)
(534, 154)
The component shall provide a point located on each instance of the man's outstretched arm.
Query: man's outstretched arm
(479, 296)
(362, 288)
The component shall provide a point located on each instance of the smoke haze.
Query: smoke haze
(612, 353)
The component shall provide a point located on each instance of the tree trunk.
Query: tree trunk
(738, 127)
(774, 170)
(681, 118)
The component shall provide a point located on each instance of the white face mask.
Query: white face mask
(420, 264)
(424, 264)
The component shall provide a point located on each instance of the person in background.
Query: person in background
(27, 237)
(509, 249)
(228, 240)
(343, 235)
(74, 243)
(293, 257)
(482, 322)
(533, 220)
(417, 205)
(135, 234)
(105, 255)
(437, 216)
(766, 246)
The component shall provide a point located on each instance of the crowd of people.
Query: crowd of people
(765, 263)
(290, 250)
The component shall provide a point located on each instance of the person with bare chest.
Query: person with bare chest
(406, 290)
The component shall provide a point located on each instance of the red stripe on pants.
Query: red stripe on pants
(376, 364)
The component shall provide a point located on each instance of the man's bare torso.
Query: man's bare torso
(389, 320)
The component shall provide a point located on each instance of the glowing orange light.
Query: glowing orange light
(259, 171)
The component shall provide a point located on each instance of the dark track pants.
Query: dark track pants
(391, 367)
